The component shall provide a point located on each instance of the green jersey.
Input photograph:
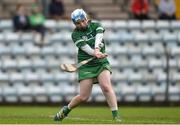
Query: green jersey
(82, 37)
(37, 19)
(87, 36)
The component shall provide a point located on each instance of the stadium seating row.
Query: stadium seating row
(6, 25)
(64, 92)
(140, 56)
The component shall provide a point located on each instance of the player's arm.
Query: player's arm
(86, 48)
(81, 44)
(98, 40)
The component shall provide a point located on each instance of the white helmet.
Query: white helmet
(78, 14)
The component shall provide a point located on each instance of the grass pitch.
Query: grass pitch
(90, 115)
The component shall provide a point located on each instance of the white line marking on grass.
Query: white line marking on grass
(88, 119)
(86, 124)
(101, 120)
(85, 119)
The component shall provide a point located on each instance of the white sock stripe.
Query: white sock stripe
(58, 114)
(114, 108)
(69, 107)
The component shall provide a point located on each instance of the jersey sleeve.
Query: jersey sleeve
(78, 41)
(99, 28)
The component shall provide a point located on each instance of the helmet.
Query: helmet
(78, 14)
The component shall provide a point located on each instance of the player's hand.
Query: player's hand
(99, 54)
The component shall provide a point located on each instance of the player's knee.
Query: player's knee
(106, 88)
(84, 98)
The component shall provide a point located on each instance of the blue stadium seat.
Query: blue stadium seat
(111, 36)
(47, 51)
(114, 62)
(65, 25)
(25, 94)
(134, 25)
(46, 77)
(55, 93)
(174, 92)
(107, 24)
(144, 92)
(140, 37)
(129, 92)
(148, 77)
(4, 50)
(31, 77)
(6, 25)
(174, 64)
(119, 50)
(2, 38)
(138, 62)
(17, 50)
(175, 51)
(175, 25)
(9, 63)
(1, 94)
(12, 38)
(59, 76)
(50, 24)
(162, 25)
(135, 77)
(10, 94)
(23, 63)
(38, 63)
(161, 76)
(69, 91)
(120, 24)
(55, 37)
(125, 37)
(155, 37)
(134, 50)
(178, 63)
(117, 88)
(97, 94)
(125, 63)
(16, 77)
(148, 25)
(169, 37)
(66, 36)
(178, 37)
(158, 92)
(156, 63)
(175, 76)
(32, 50)
(52, 63)
(119, 76)
(65, 50)
(26, 38)
(40, 94)
(3, 76)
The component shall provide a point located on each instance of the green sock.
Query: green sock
(115, 113)
(66, 109)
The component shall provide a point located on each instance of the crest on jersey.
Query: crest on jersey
(85, 38)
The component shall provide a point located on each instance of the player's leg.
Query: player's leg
(85, 91)
(105, 84)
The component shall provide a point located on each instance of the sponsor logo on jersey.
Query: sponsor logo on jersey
(85, 38)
